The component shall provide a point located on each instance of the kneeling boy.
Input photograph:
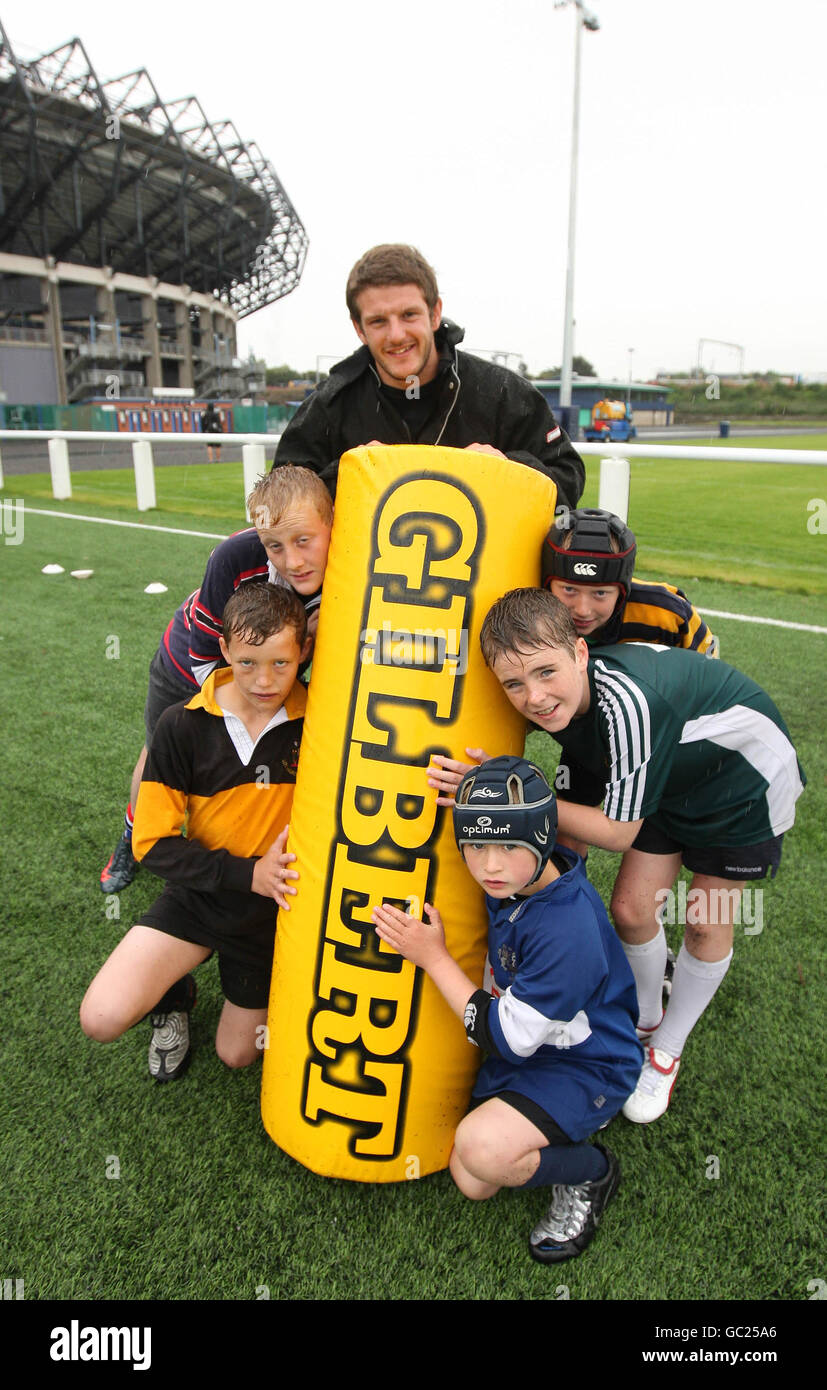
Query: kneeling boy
(293, 515)
(222, 769)
(559, 1028)
(695, 766)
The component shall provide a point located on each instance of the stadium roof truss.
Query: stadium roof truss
(108, 174)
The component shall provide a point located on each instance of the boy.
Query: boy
(559, 1028)
(588, 562)
(295, 510)
(696, 767)
(221, 768)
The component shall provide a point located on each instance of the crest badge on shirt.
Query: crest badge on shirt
(507, 959)
(291, 762)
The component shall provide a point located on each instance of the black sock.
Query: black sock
(178, 996)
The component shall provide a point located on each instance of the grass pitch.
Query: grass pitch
(204, 1206)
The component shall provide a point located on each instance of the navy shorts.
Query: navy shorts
(531, 1111)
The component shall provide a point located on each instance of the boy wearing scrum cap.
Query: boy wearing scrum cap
(588, 563)
(559, 1027)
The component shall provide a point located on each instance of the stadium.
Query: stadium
(134, 234)
(112, 276)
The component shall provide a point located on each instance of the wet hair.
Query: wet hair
(287, 486)
(525, 620)
(390, 264)
(257, 611)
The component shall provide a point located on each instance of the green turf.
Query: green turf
(740, 522)
(205, 1205)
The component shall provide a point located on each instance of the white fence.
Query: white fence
(615, 469)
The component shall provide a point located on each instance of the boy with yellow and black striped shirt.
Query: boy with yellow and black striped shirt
(588, 564)
(211, 819)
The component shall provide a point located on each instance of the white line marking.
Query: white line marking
(214, 536)
(770, 622)
(133, 525)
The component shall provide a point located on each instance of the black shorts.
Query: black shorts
(241, 927)
(163, 689)
(740, 863)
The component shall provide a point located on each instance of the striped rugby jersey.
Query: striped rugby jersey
(694, 745)
(189, 647)
(657, 613)
(203, 815)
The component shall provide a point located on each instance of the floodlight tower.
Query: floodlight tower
(585, 20)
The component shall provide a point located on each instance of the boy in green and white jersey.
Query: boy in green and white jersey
(694, 765)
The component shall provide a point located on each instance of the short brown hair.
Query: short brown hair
(257, 611)
(390, 264)
(525, 620)
(286, 486)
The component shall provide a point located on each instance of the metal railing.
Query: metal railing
(615, 467)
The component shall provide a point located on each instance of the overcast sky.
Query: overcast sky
(702, 190)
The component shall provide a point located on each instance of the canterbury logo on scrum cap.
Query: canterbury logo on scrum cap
(582, 568)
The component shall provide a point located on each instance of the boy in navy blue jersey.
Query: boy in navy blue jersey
(559, 1026)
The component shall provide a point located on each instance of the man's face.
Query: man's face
(263, 675)
(548, 686)
(590, 606)
(500, 869)
(297, 546)
(398, 330)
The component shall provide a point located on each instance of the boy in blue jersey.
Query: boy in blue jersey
(558, 1027)
(694, 766)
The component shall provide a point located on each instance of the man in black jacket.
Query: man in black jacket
(409, 385)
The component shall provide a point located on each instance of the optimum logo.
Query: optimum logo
(583, 568)
(483, 826)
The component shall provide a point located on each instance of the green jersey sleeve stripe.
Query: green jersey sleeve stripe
(630, 740)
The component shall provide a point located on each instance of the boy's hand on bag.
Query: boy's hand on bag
(271, 875)
(445, 774)
(422, 943)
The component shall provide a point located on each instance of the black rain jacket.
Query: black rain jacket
(477, 402)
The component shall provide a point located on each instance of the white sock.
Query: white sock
(648, 962)
(693, 986)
